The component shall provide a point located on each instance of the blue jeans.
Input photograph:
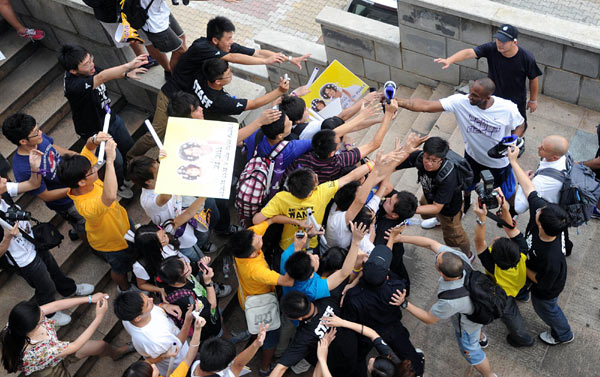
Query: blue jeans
(552, 315)
(121, 135)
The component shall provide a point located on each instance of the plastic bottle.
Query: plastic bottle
(226, 267)
(413, 221)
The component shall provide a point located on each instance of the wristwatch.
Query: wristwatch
(404, 304)
(208, 285)
(480, 222)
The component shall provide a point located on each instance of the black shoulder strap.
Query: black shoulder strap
(559, 175)
(149, 5)
(444, 170)
(257, 139)
(452, 294)
(11, 203)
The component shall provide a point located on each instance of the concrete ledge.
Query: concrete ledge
(539, 25)
(338, 19)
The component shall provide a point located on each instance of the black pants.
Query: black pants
(44, 275)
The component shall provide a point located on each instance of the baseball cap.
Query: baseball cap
(507, 33)
(377, 267)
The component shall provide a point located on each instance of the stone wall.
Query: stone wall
(568, 53)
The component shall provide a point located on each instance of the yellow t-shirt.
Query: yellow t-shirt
(513, 279)
(284, 203)
(181, 370)
(255, 276)
(105, 226)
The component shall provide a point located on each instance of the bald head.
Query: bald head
(450, 265)
(555, 145)
(487, 85)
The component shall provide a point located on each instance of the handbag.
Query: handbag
(262, 308)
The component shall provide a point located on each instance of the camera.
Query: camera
(15, 214)
(485, 191)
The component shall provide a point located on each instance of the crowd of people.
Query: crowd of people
(319, 262)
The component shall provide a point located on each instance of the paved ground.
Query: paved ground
(583, 11)
(296, 17)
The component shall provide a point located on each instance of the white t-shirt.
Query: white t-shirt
(547, 188)
(22, 251)
(156, 338)
(224, 373)
(483, 129)
(310, 130)
(168, 251)
(337, 233)
(158, 16)
(170, 210)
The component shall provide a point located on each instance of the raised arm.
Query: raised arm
(420, 105)
(74, 346)
(122, 71)
(195, 341)
(335, 321)
(109, 191)
(480, 243)
(268, 116)
(467, 53)
(246, 355)
(284, 86)
(189, 212)
(420, 241)
(375, 143)
(520, 174)
(335, 279)
(35, 179)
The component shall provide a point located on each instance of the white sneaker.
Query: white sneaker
(430, 223)
(301, 367)
(61, 319)
(125, 192)
(84, 289)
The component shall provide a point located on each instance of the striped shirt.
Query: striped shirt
(329, 169)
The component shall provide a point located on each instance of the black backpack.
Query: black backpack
(453, 160)
(135, 13)
(489, 299)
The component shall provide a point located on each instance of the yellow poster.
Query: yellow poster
(335, 83)
(200, 156)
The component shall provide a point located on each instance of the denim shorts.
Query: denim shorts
(469, 346)
(167, 40)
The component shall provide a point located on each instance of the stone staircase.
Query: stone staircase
(32, 82)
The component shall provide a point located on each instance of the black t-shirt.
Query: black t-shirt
(370, 305)
(104, 10)
(181, 297)
(87, 104)
(190, 64)
(546, 259)
(445, 192)
(509, 74)
(342, 350)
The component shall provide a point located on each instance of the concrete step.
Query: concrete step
(27, 81)
(15, 49)
(401, 92)
(425, 121)
(444, 126)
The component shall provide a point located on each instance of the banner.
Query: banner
(200, 156)
(335, 89)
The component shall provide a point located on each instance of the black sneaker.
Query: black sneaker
(229, 231)
(466, 202)
(73, 236)
(516, 344)
(500, 150)
(151, 63)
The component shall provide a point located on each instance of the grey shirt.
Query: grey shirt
(451, 308)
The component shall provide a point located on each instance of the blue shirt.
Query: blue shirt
(50, 161)
(290, 153)
(315, 287)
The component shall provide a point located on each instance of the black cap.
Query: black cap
(507, 33)
(331, 123)
(376, 268)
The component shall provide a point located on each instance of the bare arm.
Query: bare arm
(246, 59)
(189, 212)
(430, 209)
(266, 117)
(109, 191)
(284, 86)
(246, 355)
(335, 279)
(520, 174)
(425, 242)
(421, 105)
(422, 315)
(593, 164)
(353, 175)
(467, 53)
(532, 275)
(195, 341)
(35, 179)
(285, 281)
(73, 347)
(480, 243)
(119, 71)
(278, 371)
(375, 143)
(533, 92)
(51, 195)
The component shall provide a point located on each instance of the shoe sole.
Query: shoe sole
(557, 343)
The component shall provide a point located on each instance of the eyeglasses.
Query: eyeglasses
(433, 161)
(37, 133)
(93, 170)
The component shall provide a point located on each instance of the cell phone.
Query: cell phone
(402, 223)
(203, 267)
(300, 234)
